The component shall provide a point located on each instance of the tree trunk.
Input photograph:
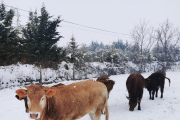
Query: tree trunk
(73, 72)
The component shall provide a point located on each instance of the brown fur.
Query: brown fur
(103, 77)
(109, 83)
(70, 102)
(135, 84)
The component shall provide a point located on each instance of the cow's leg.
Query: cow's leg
(98, 114)
(157, 92)
(91, 115)
(104, 112)
(149, 94)
(139, 107)
(162, 90)
(95, 115)
(153, 94)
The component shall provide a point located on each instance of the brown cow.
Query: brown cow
(66, 102)
(135, 85)
(153, 82)
(109, 83)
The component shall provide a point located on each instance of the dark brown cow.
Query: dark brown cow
(135, 85)
(25, 98)
(161, 71)
(66, 102)
(153, 82)
(109, 83)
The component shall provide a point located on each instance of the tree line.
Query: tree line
(35, 43)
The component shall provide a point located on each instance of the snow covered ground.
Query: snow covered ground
(167, 108)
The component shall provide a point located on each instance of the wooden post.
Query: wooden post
(40, 70)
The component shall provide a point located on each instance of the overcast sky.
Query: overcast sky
(118, 16)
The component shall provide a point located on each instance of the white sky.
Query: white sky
(112, 15)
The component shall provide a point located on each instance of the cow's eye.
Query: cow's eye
(42, 99)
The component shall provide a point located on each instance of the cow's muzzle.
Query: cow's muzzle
(34, 115)
(131, 109)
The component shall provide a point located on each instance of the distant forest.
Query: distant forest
(35, 43)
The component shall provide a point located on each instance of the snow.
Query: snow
(69, 55)
(2, 22)
(166, 108)
(18, 74)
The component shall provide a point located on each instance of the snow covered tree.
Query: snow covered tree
(168, 39)
(9, 40)
(72, 49)
(112, 55)
(94, 45)
(142, 37)
(41, 35)
(120, 45)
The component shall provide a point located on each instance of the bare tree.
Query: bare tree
(18, 22)
(142, 36)
(167, 36)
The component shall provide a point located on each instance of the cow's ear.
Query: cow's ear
(21, 93)
(50, 92)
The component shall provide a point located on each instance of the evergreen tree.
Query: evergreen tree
(119, 45)
(112, 55)
(9, 40)
(94, 45)
(73, 51)
(41, 35)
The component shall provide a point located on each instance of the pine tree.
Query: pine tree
(73, 50)
(9, 40)
(41, 35)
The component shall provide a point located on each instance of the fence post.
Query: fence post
(40, 70)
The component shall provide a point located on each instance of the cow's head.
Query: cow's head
(37, 96)
(132, 103)
(147, 81)
(109, 84)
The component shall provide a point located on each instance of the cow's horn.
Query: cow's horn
(25, 86)
(128, 97)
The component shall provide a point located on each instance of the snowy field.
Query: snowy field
(167, 108)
